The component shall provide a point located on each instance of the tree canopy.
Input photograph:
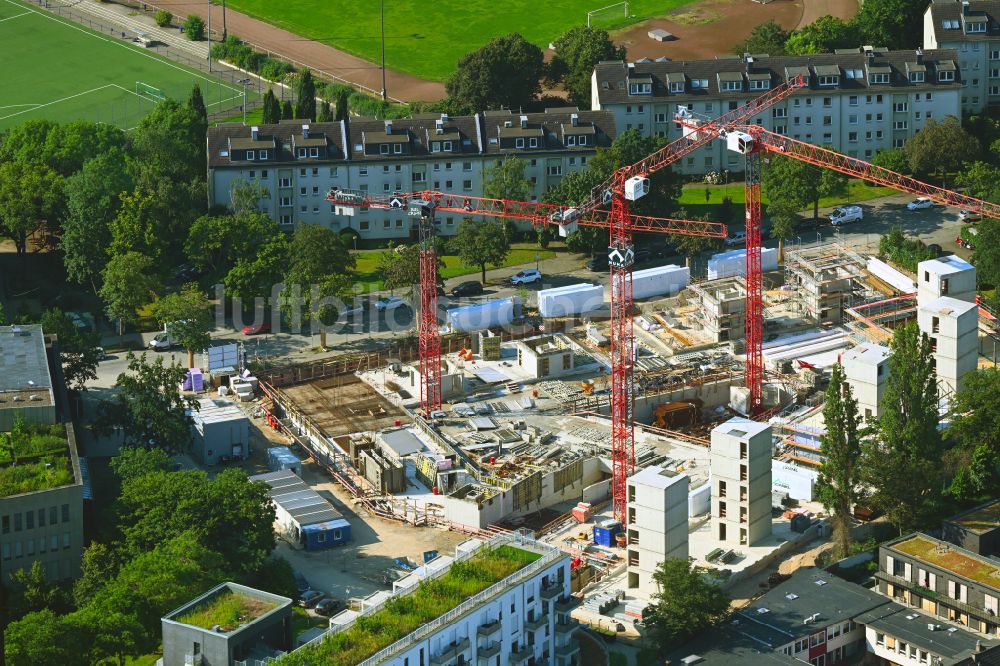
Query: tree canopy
(941, 147)
(577, 51)
(77, 349)
(319, 270)
(187, 316)
(686, 602)
(30, 197)
(481, 243)
(505, 73)
(821, 36)
(305, 95)
(128, 284)
(768, 37)
(838, 486)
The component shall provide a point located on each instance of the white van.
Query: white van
(846, 215)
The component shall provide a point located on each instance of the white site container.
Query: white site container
(659, 281)
(570, 300)
(489, 314)
(734, 263)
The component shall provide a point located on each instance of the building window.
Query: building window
(677, 86)
(397, 148)
(916, 77)
(17, 522)
(533, 142)
(263, 154)
(878, 78)
(519, 143)
(467, 185)
(363, 171)
(722, 488)
(29, 520)
(900, 125)
(65, 540)
(900, 107)
(640, 88)
(53, 515)
(571, 141)
(828, 120)
(852, 119)
(313, 152)
(852, 100)
(760, 84)
(554, 170)
(946, 76)
(732, 86)
(699, 84)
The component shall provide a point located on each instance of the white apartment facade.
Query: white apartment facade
(971, 28)
(523, 619)
(857, 101)
(296, 163)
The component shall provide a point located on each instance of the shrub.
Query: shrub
(194, 28)
(164, 18)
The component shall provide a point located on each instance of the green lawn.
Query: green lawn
(427, 39)
(693, 197)
(61, 71)
(371, 278)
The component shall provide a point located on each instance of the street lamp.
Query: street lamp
(245, 83)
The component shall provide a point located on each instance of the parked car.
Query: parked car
(329, 607)
(162, 341)
(736, 238)
(969, 216)
(300, 582)
(846, 215)
(526, 277)
(310, 598)
(470, 288)
(257, 329)
(387, 303)
(101, 354)
(919, 203)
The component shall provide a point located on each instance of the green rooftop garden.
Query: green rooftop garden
(33, 457)
(982, 520)
(950, 558)
(405, 614)
(227, 609)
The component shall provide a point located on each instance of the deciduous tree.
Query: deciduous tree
(43, 638)
(895, 24)
(685, 603)
(254, 277)
(941, 148)
(63, 147)
(187, 315)
(822, 36)
(893, 159)
(766, 38)
(128, 284)
(838, 485)
(147, 409)
(505, 73)
(77, 349)
(981, 180)
(136, 227)
(30, 197)
(319, 270)
(577, 51)
(480, 244)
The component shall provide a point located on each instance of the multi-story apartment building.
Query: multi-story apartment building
(297, 162)
(943, 580)
(41, 511)
(857, 101)
(971, 28)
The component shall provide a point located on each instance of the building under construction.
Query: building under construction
(824, 281)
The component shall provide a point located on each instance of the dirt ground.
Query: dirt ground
(843, 9)
(344, 404)
(746, 590)
(355, 570)
(710, 28)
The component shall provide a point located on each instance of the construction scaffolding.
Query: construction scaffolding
(875, 321)
(721, 313)
(826, 280)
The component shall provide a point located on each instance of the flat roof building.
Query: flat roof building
(25, 380)
(977, 529)
(301, 513)
(908, 637)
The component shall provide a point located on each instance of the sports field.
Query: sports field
(57, 70)
(427, 37)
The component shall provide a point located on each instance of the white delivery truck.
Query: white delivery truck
(846, 215)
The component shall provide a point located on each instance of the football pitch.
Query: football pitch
(58, 70)
(427, 38)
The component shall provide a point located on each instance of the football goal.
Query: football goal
(607, 14)
(149, 92)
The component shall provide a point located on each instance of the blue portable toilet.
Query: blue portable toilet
(606, 531)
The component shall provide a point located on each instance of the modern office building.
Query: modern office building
(857, 101)
(970, 28)
(41, 509)
(297, 162)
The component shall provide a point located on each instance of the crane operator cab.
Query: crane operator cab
(739, 142)
(636, 187)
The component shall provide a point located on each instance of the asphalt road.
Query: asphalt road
(938, 225)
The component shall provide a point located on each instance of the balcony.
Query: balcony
(490, 628)
(918, 592)
(551, 592)
(488, 653)
(450, 653)
(566, 604)
(537, 623)
(567, 650)
(566, 628)
(520, 657)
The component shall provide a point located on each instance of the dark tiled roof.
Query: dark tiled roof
(283, 136)
(728, 647)
(613, 77)
(951, 10)
(553, 126)
(779, 616)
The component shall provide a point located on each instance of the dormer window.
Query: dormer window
(760, 84)
(640, 88)
(314, 152)
(916, 77)
(303, 153)
(583, 140)
(383, 148)
(435, 146)
(878, 78)
(533, 142)
(731, 86)
(950, 24)
(946, 76)
(571, 141)
(250, 155)
(977, 26)
(828, 80)
(263, 154)
(397, 148)
(519, 143)
(676, 86)
(447, 146)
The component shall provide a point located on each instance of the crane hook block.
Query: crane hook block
(636, 188)
(739, 142)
